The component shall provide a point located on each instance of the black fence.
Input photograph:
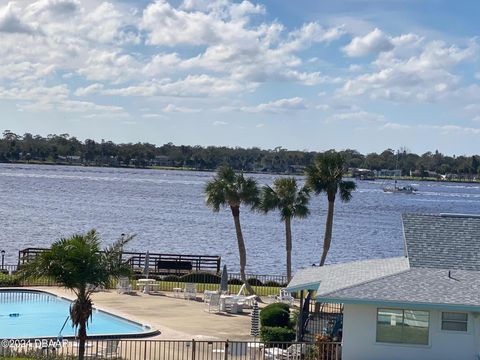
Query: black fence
(170, 350)
(325, 320)
(264, 285)
(158, 263)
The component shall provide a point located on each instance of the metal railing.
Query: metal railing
(172, 263)
(263, 285)
(172, 350)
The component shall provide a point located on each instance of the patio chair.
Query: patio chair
(293, 352)
(124, 286)
(190, 291)
(245, 301)
(285, 297)
(207, 294)
(232, 305)
(104, 352)
(93, 288)
(214, 303)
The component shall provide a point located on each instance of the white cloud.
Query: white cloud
(54, 9)
(171, 108)
(357, 116)
(424, 77)
(191, 86)
(277, 106)
(11, 21)
(453, 129)
(219, 123)
(372, 43)
(394, 126)
(89, 90)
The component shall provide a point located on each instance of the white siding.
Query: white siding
(359, 334)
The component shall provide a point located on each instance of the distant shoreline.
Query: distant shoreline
(174, 168)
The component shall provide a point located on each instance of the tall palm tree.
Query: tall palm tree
(231, 189)
(326, 176)
(292, 202)
(78, 264)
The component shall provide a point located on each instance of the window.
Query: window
(402, 326)
(454, 321)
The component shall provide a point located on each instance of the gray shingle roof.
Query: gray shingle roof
(445, 241)
(336, 276)
(416, 286)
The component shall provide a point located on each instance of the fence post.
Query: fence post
(193, 349)
(225, 355)
(145, 351)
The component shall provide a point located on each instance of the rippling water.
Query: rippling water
(39, 204)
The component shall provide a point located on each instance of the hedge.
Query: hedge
(201, 278)
(235, 281)
(276, 314)
(277, 334)
(254, 282)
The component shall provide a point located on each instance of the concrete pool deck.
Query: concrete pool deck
(175, 318)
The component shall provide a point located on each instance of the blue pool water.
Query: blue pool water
(32, 314)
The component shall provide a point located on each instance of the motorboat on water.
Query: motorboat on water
(407, 189)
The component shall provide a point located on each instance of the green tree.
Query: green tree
(292, 202)
(326, 176)
(78, 264)
(231, 189)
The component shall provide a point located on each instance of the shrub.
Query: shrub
(172, 278)
(272, 283)
(235, 281)
(277, 314)
(277, 334)
(9, 280)
(201, 278)
(254, 282)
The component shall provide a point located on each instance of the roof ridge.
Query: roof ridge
(367, 281)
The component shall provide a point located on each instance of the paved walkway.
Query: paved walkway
(176, 318)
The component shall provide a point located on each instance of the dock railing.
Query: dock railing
(159, 263)
(172, 350)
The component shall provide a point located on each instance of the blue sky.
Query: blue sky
(362, 74)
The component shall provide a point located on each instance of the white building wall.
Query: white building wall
(359, 339)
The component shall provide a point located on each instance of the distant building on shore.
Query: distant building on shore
(388, 173)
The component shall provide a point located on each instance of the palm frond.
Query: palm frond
(346, 189)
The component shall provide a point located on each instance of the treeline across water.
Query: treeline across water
(66, 149)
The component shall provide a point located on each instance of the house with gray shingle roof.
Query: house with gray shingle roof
(425, 305)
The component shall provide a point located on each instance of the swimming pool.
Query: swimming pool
(37, 314)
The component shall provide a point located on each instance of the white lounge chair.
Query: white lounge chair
(285, 297)
(242, 290)
(245, 301)
(190, 291)
(293, 352)
(124, 286)
(214, 303)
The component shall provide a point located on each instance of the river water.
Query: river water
(40, 204)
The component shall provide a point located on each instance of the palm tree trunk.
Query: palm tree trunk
(328, 231)
(241, 248)
(288, 243)
(82, 337)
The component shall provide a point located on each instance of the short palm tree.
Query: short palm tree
(78, 264)
(231, 189)
(326, 176)
(292, 202)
